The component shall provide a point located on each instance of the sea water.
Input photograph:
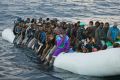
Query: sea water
(23, 64)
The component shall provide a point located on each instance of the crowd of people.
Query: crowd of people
(49, 37)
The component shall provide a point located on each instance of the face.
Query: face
(40, 28)
(91, 23)
(101, 24)
(97, 24)
(106, 24)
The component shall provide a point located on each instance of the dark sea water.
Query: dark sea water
(21, 64)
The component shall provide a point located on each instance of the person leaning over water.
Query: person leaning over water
(36, 44)
(17, 29)
(32, 35)
(28, 24)
(23, 33)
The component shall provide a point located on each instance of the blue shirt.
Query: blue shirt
(113, 33)
(42, 37)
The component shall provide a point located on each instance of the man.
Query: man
(100, 34)
(41, 40)
(113, 33)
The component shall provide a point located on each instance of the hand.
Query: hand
(66, 51)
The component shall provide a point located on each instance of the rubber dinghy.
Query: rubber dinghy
(8, 35)
(101, 63)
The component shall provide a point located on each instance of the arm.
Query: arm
(67, 46)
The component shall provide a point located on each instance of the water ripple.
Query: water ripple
(22, 64)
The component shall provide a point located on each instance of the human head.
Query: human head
(49, 30)
(78, 24)
(101, 24)
(106, 25)
(28, 20)
(97, 23)
(47, 20)
(91, 23)
(41, 28)
(33, 20)
(57, 31)
(40, 19)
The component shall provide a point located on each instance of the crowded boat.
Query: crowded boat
(50, 37)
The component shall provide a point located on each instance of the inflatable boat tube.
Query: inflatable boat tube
(101, 63)
(8, 35)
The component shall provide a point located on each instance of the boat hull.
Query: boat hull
(101, 63)
(8, 35)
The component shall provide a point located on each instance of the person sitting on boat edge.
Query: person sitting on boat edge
(62, 45)
(17, 31)
(42, 39)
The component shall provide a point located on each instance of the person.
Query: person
(36, 45)
(17, 32)
(31, 36)
(81, 33)
(74, 35)
(49, 44)
(27, 20)
(68, 30)
(100, 35)
(47, 20)
(113, 33)
(23, 32)
(41, 40)
(62, 45)
(97, 24)
(15, 28)
(89, 30)
(40, 20)
(22, 35)
(106, 28)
